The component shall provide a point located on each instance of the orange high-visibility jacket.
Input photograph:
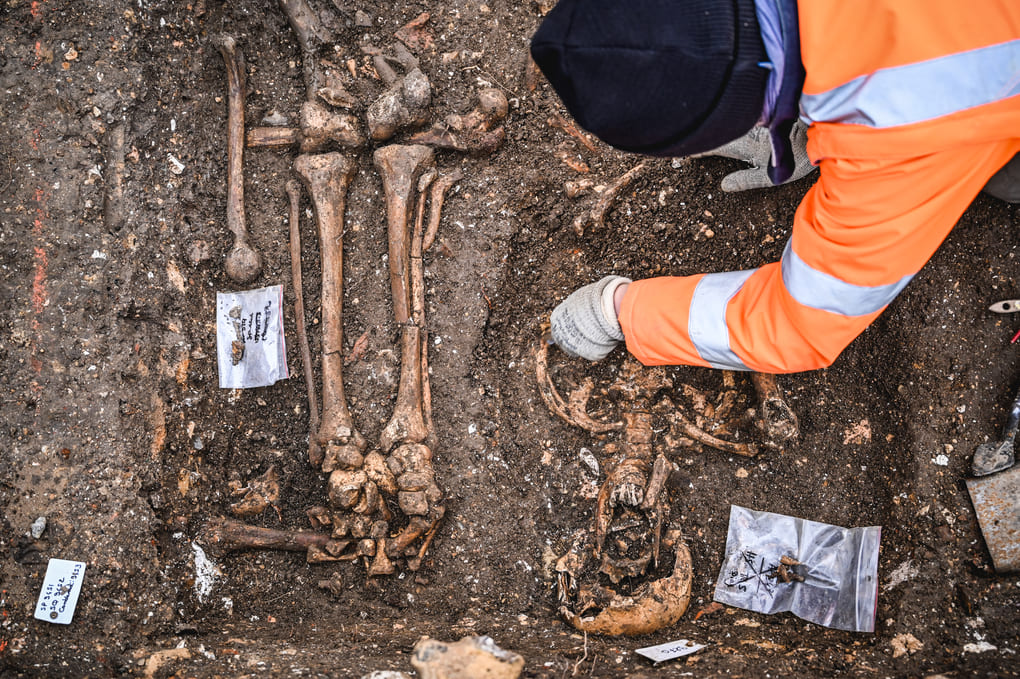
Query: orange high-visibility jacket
(913, 105)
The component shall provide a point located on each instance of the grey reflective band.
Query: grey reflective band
(920, 91)
(706, 323)
(820, 290)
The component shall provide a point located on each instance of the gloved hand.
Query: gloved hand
(755, 148)
(585, 324)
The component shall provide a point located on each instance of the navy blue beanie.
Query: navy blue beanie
(658, 77)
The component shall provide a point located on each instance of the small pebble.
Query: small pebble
(362, 19)
(38, 527)
(275, 118)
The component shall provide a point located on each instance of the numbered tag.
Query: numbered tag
(60, 591)
(670, 650)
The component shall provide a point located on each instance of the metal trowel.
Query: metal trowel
(996, 495)
(995, 456)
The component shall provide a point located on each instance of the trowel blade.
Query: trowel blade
(993, 457)
(996, 501)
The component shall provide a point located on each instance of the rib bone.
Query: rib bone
(327, 177)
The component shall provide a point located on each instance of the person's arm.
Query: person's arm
(860, 234)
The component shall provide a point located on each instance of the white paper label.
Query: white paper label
(60, 590)
(250, 345)
(670, 650)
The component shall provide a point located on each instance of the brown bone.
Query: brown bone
(226, 535)
(327, 177)
(404, 104)
(776, 419)
(244, 263)
(651, 607)
(400, 167)
(472, 132)
(311, 35)
(318, 127)
(294, 193)
(436, 196)
(598, 212)
(306, 24)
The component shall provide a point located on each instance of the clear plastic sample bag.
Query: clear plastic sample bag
(819, 572)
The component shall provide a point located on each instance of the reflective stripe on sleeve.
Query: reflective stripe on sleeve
(820, 290)
(706, 323)
(920, 91)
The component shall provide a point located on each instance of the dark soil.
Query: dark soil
(115, 431)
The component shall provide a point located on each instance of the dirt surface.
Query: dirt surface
(115, 430)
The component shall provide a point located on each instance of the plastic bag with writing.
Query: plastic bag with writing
(819, 572)
(250, 348)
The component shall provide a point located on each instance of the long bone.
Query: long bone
(244, 263)
(400, 167)
(318, 126)
(294, 194)
(410, 461)
(225, 535)
(327, 178)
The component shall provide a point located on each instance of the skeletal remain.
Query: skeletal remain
(602, 610)
(294, 193)
(472, 132)
(625, 482)
(310, 31)
(574, 413)
(400, 167)
(327, 178)
(410, 459)
(223, 535)
(311, 35)
(597, 214)
(404, 104)
(418, 294)
(570, 128)
(334, 94)
(574, 410)
(691, 430)
(243, 264)
(318, 128)
(786, 571)
(776, 420)
(436, 197)
(407, 424)
(260, 494)
(574, 188)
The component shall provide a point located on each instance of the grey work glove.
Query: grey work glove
(585, 324)
(755, 148)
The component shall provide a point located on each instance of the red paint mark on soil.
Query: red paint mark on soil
(41, 262)
(40, 296)
(36, 10)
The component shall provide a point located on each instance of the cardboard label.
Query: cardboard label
(670, 650)
(60, 590)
